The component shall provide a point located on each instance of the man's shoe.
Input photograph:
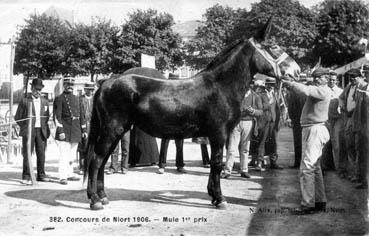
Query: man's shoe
(161, 171)
(245, 175)
(43, 179)
(362, 186)
(259, 168)
(110, 172)
(225, 175)
(181, 170)
(73, 178)
(63, 182)
(26, 182)
(124, 171)
(303, 210)
(320, 206)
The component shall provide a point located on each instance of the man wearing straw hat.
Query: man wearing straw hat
(69, 117)
(87, 101)
(40, 130)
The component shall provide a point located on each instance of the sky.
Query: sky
(13, 12)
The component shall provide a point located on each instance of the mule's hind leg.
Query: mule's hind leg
(100, 176)
(95, 187)
(214, 189)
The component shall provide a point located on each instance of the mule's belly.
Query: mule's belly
(170, 127)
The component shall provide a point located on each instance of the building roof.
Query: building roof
(61, 13)
(187, 29)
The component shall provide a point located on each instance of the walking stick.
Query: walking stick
(29, 137)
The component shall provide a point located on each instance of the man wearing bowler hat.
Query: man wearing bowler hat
(40, 130)
(69, 117)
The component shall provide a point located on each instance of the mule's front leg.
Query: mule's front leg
(214, 188)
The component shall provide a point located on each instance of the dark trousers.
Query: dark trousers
(204, 154)
(82, 150)
(297, 143)
(164, 149)
(264, 133)
(124, 143)
(363, 159)
(38, 142)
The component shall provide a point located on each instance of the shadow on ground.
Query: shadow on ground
(169, 197)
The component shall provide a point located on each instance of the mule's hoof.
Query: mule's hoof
(105, 201)
(222, 205)
(96, 206)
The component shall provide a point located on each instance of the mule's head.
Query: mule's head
(270, 59)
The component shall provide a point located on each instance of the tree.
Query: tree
(293, 26)
(40, 47)
(90, 48)
(340, 25)
(150, 33)
(212, 37)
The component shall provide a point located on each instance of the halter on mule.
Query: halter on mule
(207, 105)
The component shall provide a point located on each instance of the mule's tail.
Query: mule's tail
(92, 136)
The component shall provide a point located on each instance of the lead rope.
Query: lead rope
(281, 97)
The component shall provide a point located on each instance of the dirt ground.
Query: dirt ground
(145, 203)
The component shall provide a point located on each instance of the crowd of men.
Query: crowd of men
(319, 110)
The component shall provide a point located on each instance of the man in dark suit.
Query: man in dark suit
(40, 130)
(179, 155)
(69, 117)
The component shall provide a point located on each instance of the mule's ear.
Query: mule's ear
(264, 32)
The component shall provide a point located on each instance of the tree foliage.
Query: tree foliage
(151, 33)
(340, 26)
(40, 47)
(293, 26)
(90, 48)
(212, 37)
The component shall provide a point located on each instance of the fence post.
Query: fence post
(10, 146)
(29, 140)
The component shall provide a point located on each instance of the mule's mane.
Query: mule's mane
(224, 54)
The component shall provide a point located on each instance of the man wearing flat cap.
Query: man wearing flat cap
(353, 105)
(69, 117)
(40, 130)
(314, 136)
(240, 136)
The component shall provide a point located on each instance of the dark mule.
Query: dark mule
(207, 105)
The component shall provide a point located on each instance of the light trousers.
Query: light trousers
(311, 178)
(67, 155)
(239, 140)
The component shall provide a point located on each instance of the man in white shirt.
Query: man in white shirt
(40, 129)
(336, 125)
